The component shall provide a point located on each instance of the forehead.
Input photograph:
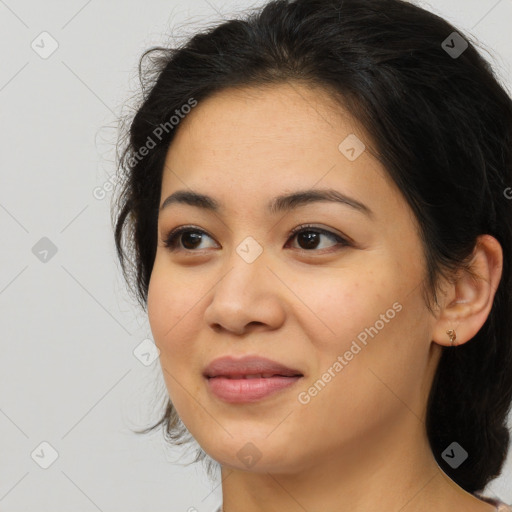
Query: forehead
(278, 116)
(261, 142)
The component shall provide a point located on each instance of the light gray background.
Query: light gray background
(68, 375)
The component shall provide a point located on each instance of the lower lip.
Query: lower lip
(248, 390)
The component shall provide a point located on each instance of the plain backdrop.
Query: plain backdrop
(74, 372)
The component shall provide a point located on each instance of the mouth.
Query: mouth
(253, 376)
(248, 379)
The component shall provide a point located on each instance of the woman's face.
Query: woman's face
(349, 315)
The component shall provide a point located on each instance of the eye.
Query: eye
(307, 235)
(189, 235)
(310, 235)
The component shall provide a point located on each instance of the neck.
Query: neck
(397, 472)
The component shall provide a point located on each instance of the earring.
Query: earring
(453, 336)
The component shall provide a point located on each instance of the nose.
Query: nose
(248, 296)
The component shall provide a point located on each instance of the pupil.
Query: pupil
(310, 238)
(196, 236)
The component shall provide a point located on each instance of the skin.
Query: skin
(360, 443)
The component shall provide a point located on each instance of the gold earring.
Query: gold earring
(453, 336)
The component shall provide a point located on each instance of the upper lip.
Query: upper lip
(247, 365)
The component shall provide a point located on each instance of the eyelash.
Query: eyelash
(172, 237)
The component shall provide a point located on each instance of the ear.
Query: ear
(468, 300)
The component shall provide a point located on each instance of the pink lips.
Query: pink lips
(248, 379)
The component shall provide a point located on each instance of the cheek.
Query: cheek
(372, 366)
(383, 338)
(343, 305)
(159, 313)
(169, 306)
(370, 318)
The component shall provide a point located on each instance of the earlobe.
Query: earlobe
(453, 336)
(470, 297)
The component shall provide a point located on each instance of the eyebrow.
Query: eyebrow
(279, 204)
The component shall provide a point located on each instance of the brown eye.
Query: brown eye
(189, 237)
(309, 237)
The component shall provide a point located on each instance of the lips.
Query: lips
(248, 367)
(246, 376)
(248, 379)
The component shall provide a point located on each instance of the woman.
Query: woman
(314, 213)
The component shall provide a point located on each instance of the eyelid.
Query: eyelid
(325, 231)
(172, 236)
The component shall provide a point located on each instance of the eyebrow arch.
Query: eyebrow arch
(282, 203)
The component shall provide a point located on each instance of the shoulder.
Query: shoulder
(500, 506)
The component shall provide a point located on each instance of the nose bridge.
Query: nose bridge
(243, 294)
(246, 266)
